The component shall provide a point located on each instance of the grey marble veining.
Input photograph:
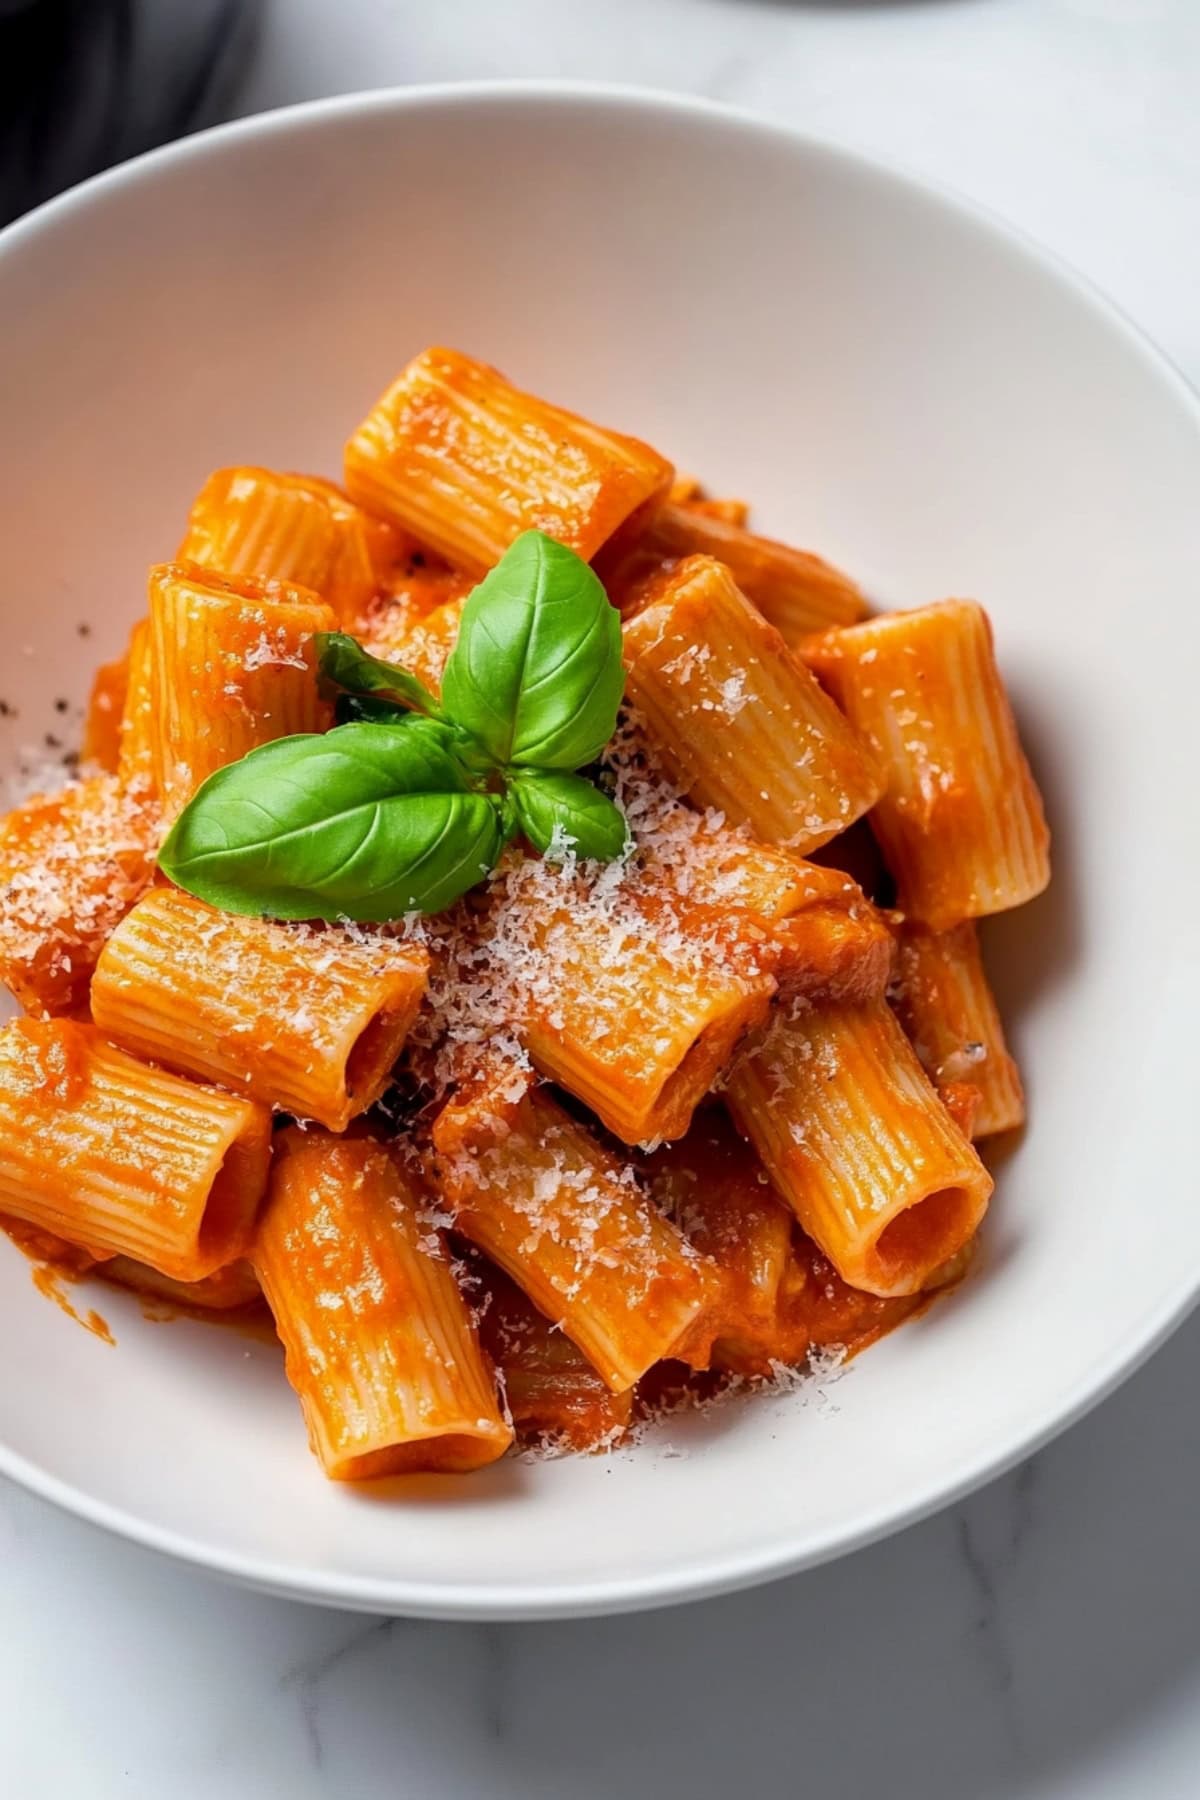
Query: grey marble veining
(1040, 1641)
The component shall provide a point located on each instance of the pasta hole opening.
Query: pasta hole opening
(233, 1200)
(925, 1235)
(688, 1083)
(446, 1453)
(374, 1051)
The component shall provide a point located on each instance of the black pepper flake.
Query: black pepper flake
(84, 630)
(7, 710)
(61, 705)
(52, 742)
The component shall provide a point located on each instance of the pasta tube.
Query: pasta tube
(569, 1223)
(961, 824)
(136, 736)
(858, 1144)
(795, 591)
(379, 1344)
(289, 528)
(736, 718)
(71, 866)
(97, 1148)
(467, 462)
(822, 934)
(310, 1022)
(232, 667)
(943, 1001)
(629, 1009)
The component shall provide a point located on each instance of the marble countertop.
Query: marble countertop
(1040, 1641)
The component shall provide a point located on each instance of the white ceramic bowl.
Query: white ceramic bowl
(896, 381)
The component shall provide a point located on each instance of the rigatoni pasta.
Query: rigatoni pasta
(71, 866)
(136, 734)
(460, 942)
(859, 1145)
(249, 521)
(797, 592)
(942, 999)
(231, 667)
(568, 1222)
(455, 454)
(380, 1345)
(643, 1058)
(105, 1151)
(821, 935)
(961, 823)
(309, 1022)
(633, 1005)
(737, 719)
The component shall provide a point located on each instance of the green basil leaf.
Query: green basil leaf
(343, 663)
(365, 822)
(547, 801)
(536, 671)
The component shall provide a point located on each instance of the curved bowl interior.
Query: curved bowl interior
(895, 382)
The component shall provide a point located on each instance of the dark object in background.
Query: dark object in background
(86, 83)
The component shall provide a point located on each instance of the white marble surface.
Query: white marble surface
(1042, 1640)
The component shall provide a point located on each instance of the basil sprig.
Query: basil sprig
(408, 802)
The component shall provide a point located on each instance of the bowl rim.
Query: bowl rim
(709, 1577)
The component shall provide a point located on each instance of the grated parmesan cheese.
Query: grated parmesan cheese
(72, 863)
(512, 949)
